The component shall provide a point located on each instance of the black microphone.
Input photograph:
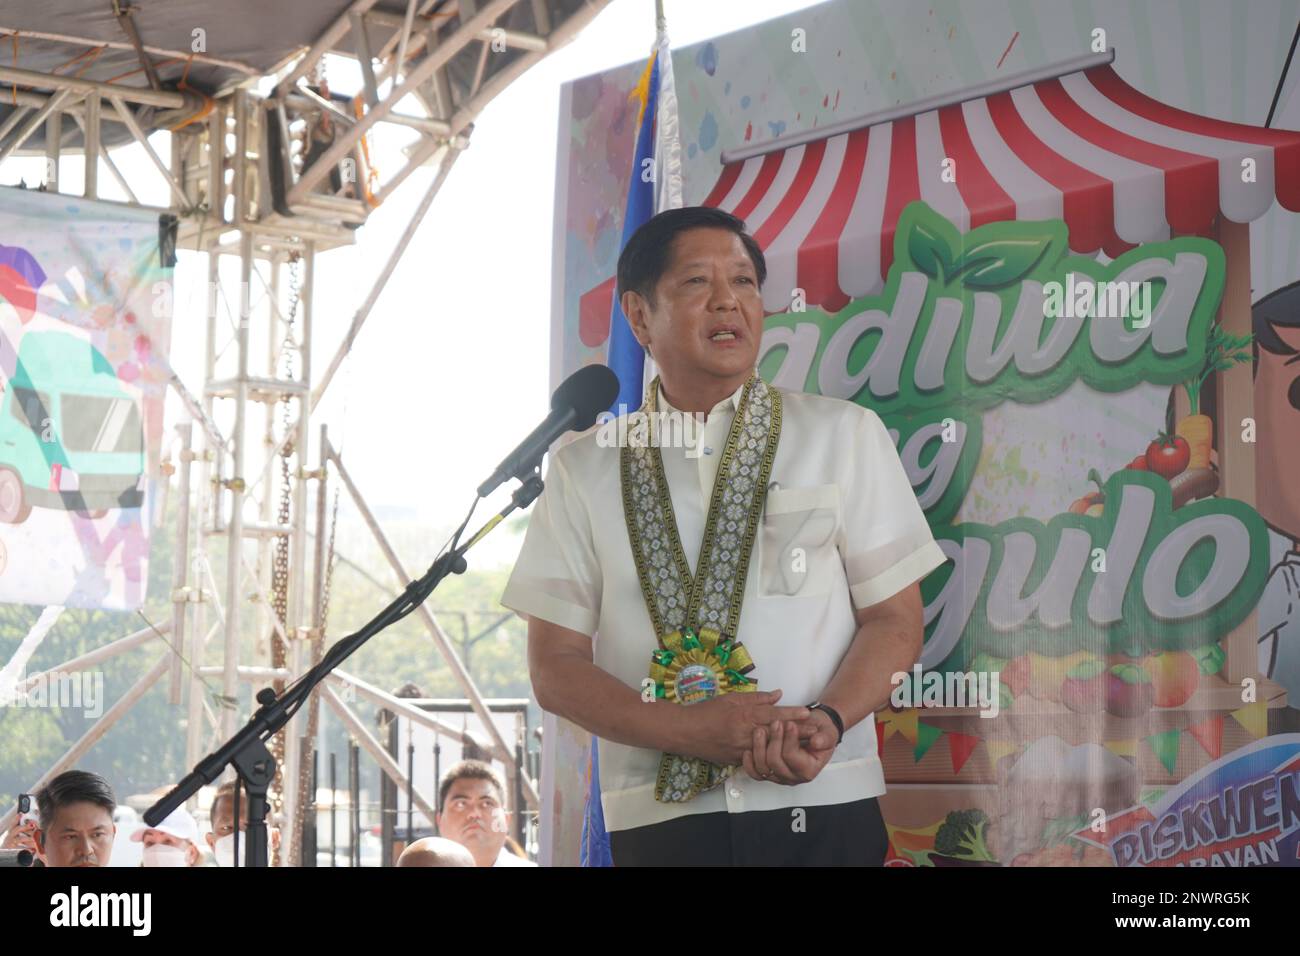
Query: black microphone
(581, 397)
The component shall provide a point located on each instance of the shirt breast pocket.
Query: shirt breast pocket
(797, 541)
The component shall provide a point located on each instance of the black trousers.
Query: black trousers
(842, 834)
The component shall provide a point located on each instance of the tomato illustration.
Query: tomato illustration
(1168, 455)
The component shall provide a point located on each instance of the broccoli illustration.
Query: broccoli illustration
(962, 836)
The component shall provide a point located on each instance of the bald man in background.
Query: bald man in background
(435, 851)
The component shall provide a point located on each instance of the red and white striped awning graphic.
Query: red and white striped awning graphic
(1119, 167)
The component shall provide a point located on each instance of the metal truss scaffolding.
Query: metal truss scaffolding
(262, 183)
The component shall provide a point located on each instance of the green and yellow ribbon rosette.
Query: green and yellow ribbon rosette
(694, 666)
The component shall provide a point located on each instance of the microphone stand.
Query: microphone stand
(247, 750)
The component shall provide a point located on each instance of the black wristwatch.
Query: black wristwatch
(833, 715)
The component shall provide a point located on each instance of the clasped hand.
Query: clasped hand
(786, 745)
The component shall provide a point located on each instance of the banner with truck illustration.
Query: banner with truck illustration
(85, 326)
(1057, 249)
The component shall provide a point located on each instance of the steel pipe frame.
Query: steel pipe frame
(249, 672)
(363, 312)
(515, 39)
(497, 743)
(30, 124)
(362, 735)
(398, 705)
(120, 45)
(37, 100)
(181, 561)
(436, 58)
(99, 654)
(333, 33)
(90, 127)
(138, 135)
(235, 540)
(82, 100)
(305, 798)
(75, 84)
(16, 117)
(92, 736)
(558, 38)
(210, 462)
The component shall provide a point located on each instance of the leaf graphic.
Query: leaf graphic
(930, 252)
(998, 262)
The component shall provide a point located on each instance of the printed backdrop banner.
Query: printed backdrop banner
(85, 323)
(1069, 288)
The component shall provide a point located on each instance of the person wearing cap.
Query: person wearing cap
(173, 842)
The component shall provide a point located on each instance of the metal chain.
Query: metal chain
(280, 560)
(313, 706)
(280, 566)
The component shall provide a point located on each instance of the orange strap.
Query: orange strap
(208, 102)
(372, 174)
(94, 55)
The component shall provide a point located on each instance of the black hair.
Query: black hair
(73, 786)
(470, 770)
(645, 257)
(1281, 307)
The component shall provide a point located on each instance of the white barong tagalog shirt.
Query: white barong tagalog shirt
(841, 529)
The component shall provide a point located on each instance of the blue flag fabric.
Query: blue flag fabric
(595, 841)
(625, 355)
(627, 360)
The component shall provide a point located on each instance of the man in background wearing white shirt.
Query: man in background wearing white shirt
(471, 811)
(812, 565)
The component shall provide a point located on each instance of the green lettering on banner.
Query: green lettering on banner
(1176, 579)
(929, 458)
(961, 320)
(960, 327)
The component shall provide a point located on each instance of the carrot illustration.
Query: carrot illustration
(1222, 352)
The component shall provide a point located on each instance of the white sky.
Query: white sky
(451, 368)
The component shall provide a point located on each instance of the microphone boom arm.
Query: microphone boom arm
(247, 750)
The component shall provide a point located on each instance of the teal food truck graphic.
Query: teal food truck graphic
(71, 436)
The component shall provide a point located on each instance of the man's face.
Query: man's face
(1277, 417)
(158, 838)
(710, 289)
(473, 816)
(81, 834)
(223, 822)
(223, 818)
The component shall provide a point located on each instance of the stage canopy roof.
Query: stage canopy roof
(1118, 166)
(241, 39)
